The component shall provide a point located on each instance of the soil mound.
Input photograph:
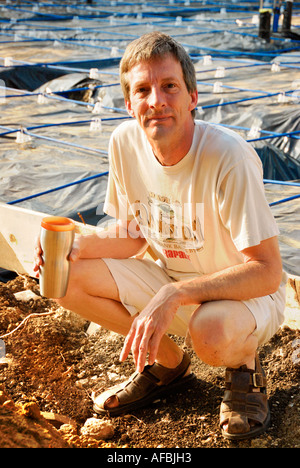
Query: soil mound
(51, 365)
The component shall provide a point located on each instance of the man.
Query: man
(192, 194)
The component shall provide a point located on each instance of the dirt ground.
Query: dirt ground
(51, 365)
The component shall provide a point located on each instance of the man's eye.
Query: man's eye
(171, 86)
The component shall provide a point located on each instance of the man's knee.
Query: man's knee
(217, 332)
(88, 277)
(208, 334)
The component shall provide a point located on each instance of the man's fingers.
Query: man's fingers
(136, 341)
(127, 345)
(37, 255)
(125, 351)
(141, 353)
(140, 347)
(153, 349)
(142, 338)
(74, 255)
(75, 252)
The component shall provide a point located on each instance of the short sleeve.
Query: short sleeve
(116, 200)
(243, 207)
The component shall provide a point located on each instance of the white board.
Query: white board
(19, 229)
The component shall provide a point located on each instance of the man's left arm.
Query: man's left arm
(259, 275)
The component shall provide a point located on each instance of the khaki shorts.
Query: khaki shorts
(138, 280)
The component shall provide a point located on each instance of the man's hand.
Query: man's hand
(150, 325)
(38, 254)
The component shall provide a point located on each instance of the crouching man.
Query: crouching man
(193, 193)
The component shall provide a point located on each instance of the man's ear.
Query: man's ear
(129, 108)
(194, 100)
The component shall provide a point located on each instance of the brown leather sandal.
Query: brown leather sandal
(246, 412)
(143, 388)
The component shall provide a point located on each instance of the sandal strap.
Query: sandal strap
(240, 380)
(152, 377)
(247, 406)
(240, 403)
(164, 375)
(243, 379)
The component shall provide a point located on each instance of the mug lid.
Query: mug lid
(57, 223)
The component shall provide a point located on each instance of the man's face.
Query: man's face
(159, 98)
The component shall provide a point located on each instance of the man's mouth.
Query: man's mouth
(158, 118)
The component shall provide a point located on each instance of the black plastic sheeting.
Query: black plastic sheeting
(279, 163)
(32, 77)
(6, 275)
(28, 77)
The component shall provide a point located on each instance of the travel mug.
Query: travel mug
(56, 237)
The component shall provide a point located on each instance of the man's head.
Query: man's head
(151, 46)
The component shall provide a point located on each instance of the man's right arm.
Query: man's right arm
(121, 240)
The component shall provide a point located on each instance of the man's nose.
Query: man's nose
(157, 97)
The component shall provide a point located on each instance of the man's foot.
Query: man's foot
(244, 411)
(143, 388)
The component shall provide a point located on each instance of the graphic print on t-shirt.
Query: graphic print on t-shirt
(171, 225)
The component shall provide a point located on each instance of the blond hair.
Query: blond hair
(156, 45)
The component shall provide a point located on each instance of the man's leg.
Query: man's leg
(93, 294)
(222, 334)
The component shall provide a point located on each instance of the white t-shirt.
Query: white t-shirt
(198, 214)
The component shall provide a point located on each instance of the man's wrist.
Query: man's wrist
(189, 292)
(178, 294)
